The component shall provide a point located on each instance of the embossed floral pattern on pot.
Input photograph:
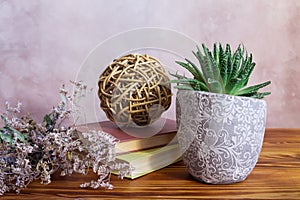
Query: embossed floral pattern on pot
(220, 135)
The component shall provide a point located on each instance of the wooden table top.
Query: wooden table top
(276, 176)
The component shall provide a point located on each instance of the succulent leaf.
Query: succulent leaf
(190, 68)
(236, 62)
(192, 82)
(211, 72)
(223, 65)
(216, 55)
(260, 95)
(184, 87)
(198, 74)
(253, 88)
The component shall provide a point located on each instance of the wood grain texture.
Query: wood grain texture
(276, 176)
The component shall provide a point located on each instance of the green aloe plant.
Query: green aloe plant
(222, 71)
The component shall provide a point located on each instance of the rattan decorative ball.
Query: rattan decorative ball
(134, 90)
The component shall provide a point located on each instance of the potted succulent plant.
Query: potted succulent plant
(221, 122)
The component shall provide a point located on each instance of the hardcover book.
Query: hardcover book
(158, 134)
(147, 161)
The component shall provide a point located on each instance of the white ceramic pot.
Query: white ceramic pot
(220, 135)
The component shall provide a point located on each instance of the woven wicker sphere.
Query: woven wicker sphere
(134, 90)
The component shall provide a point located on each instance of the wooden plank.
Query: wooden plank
(276, 176)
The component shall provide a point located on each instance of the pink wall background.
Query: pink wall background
(43, 43)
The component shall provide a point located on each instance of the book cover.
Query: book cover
(158, 134)
(147, 161)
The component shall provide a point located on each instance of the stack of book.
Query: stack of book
(146, 149)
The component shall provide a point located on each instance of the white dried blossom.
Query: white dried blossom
(13, 110)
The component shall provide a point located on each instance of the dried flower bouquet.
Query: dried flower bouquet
(31, 150)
